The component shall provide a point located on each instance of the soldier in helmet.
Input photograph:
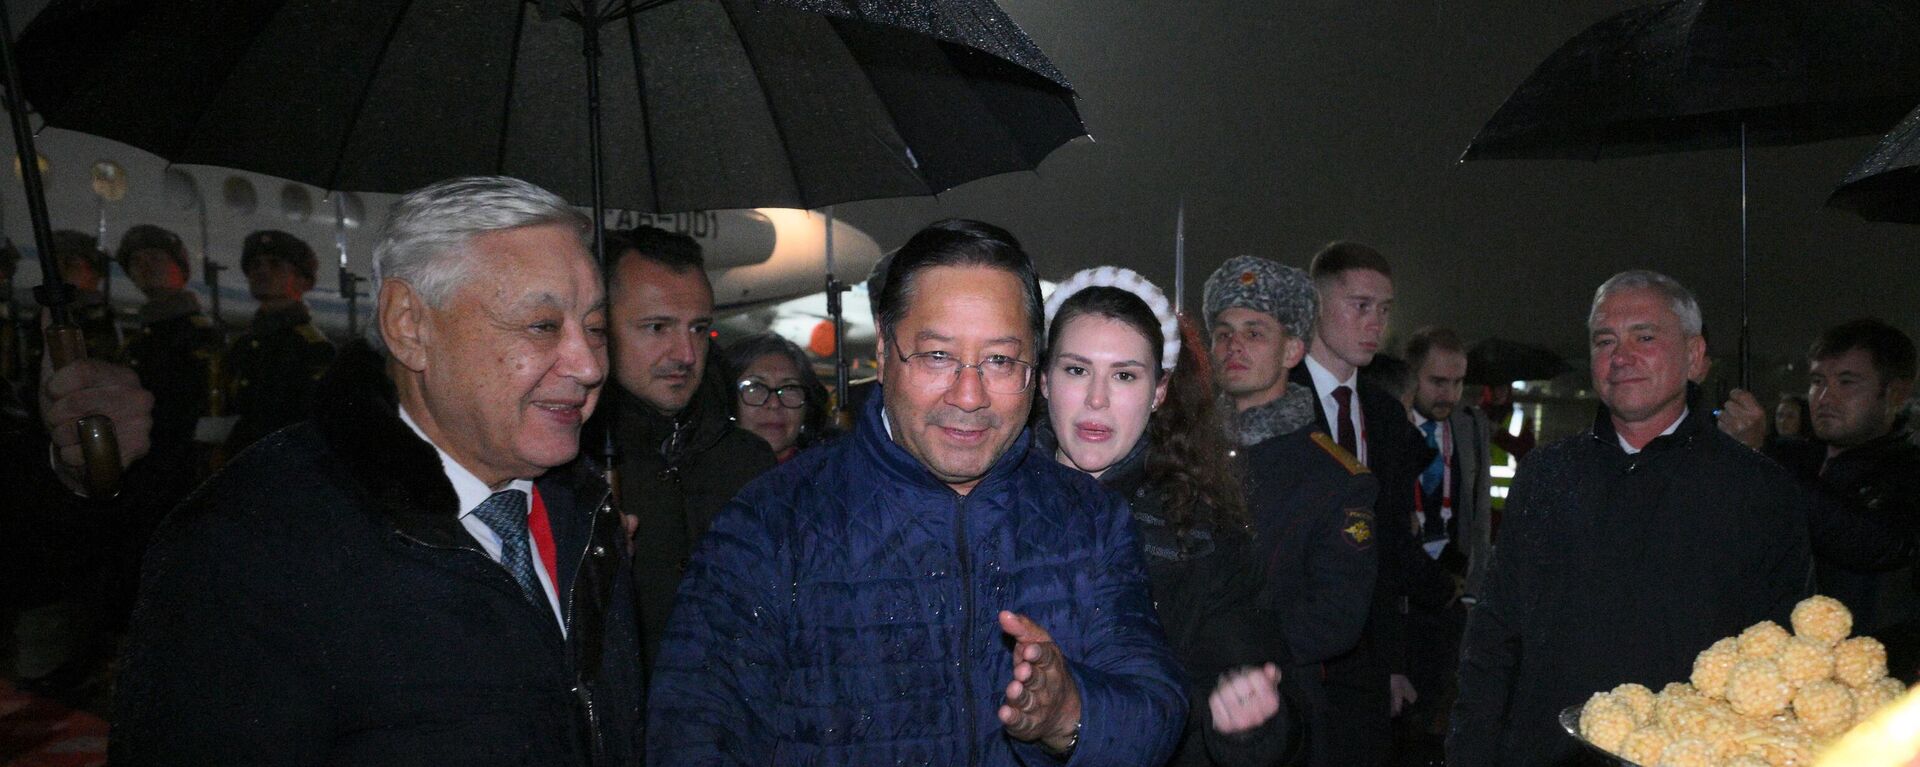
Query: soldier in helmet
(176, 342)
(271, 369)
(84, 266)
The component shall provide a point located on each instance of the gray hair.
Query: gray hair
(424, 241)
(1679, 298)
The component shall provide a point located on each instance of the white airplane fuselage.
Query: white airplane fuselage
(756, 257)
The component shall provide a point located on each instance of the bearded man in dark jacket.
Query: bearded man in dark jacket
(1628, 548)
(681, 458)
(423, 573)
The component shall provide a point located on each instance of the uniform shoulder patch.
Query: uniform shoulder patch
(1346, 459)
(1357, 528)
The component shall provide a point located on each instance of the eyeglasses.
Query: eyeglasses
(937, 370)
(754, 394)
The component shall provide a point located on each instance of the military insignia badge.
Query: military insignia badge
(1357, 528)
(1247, 278)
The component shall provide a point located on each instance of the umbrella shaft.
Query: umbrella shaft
(54, 294)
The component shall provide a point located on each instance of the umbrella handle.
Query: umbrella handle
(98, 446)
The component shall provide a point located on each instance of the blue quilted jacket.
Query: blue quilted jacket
(843, 611)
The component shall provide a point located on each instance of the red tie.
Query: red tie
(1344, 432)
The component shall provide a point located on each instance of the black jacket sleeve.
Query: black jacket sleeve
(1327, 618)
(1491, 649)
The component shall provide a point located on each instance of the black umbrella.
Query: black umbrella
(1701, 74)
(1500, 361)
(707, 103)
(1886, 185)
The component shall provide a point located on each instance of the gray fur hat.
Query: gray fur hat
(1266, 286)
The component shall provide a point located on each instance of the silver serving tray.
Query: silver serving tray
(1570, 721)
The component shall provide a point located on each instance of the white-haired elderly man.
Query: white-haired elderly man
(1628, 548)
(423, 573)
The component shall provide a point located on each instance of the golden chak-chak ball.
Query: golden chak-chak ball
(1869, 700)
(1804, 660)
(1644, 745)
(1677, 689)
(1638, 698)
(1860, 661)
(1606, 721)
(1822, 619)
(1745, 760)
(1825, 707)
(1763, 640)
(1755, 688)
(1686, 752)
(1711, 667)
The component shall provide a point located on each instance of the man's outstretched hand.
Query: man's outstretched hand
(1042, 703)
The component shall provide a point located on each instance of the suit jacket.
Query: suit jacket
(1473, 459)
(1396, 453)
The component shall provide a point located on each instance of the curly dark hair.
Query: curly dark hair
(1186, 450)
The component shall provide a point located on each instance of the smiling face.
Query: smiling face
(948, 420)
(503, 376)
(1642, 357)
(1100, 390)
(778, 424)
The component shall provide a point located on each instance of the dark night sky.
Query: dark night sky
(1287, 125)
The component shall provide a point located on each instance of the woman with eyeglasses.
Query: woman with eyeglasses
(1128, 401)
(776, 393)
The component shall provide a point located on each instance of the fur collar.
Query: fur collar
(1294, 409)
(358, 414)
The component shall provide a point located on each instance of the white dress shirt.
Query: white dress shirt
(1324, 383)
(1671, 428)
(472, 492)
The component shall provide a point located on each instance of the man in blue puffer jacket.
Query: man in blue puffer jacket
(924, 592)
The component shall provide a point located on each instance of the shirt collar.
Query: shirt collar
(1671, 428)
(471, 491)
(1324, 382)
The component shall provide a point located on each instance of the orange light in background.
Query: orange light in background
(820, 341)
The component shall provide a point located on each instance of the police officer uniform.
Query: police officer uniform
(1310, 500)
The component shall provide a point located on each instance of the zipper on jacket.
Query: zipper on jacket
(580, 687)
(966, 627)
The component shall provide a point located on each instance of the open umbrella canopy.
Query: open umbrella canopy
(1688, 74)
(707, 103)
(1886, 185)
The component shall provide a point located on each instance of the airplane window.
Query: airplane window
(109, 180)
(239, 195)
(295, 202)
(181, 190)
(16, 165)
